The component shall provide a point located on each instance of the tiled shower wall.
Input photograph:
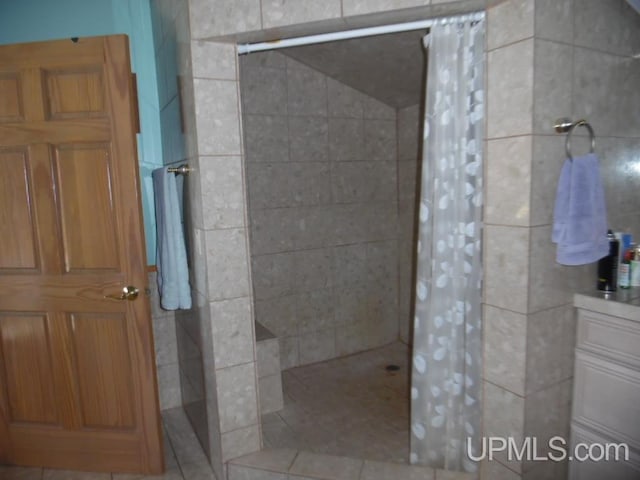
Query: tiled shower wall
(528, 334)
(322, 193)
(409, 161)
(548, 60)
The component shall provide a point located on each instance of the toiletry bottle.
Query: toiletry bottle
(608, 266)
(635, 267)
(624, 269)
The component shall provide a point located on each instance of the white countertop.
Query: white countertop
(623, 303)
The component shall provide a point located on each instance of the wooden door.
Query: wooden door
(77, 371)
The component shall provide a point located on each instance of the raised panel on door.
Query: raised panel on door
(103, 364)
(87, 215)
(11, 108)
(26, 369)
(75, 93)
(18, 249)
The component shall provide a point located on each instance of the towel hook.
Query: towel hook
(565, 125)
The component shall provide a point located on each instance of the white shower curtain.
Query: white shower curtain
(447, 348)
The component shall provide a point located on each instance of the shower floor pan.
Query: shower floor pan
(345, 419)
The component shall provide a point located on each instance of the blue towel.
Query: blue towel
(173, 273)
(580, 216)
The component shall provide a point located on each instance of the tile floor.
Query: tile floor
(349, 406)
(184, 458)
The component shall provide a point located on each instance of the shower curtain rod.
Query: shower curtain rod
(245, 48)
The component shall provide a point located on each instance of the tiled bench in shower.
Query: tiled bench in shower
(269, 378)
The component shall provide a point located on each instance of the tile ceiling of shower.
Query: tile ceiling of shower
(387, 67)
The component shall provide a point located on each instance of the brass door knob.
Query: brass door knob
(128, 293)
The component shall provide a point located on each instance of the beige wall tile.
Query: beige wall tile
(508, 190)
(227, 265)
(240, 442)
(312, 270)
(594, 22)
(193, 194)
(360, 7)
(277, 13)
(237, 400)
(278, 315)
(510, 90)
(509, 22)
(380, 140)
(506, 267)
(223, 198)
(210, 18)
(628, 97)
(214, 60)
(346, 139)
(551, 284)
(554, 19)
(548, 158)
(354, 182)
(376, 110)
(216, 103)
(266, 138)
(552, 84)
(269, 59)
(344, 101)
(270, 389)
(317, 346)
(264, 91)
(409, 133)
(551, 336)
(547, 416)
(272, 275)
(598, 76)
(504, 416)
(505, 352)
(308, 139)
(296, 184)
(273, 230)
(232, 330)
(268, 357)
(306, 90)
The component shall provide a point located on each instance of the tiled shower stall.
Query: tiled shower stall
(321, 164)
(545, 59)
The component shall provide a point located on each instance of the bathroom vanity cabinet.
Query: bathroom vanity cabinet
(606, 390)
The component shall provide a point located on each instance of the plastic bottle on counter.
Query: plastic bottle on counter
(635, 267)
(624, 269)
(608, 266)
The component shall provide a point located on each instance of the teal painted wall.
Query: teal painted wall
(36, 20)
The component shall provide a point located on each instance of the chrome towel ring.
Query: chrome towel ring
(565, 125)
